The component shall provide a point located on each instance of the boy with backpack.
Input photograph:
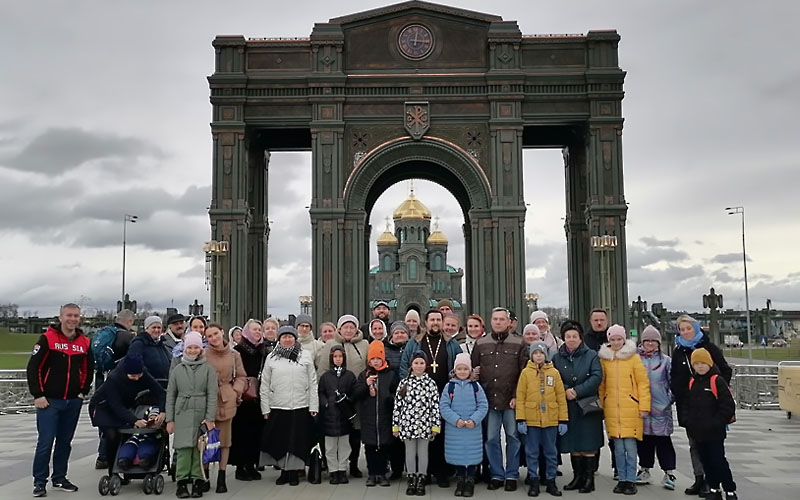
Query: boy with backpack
(463, 407)
(711, 408)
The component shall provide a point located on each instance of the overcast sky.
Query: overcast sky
(104, 110)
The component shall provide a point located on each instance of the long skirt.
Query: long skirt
(287, 438)
(246, 433)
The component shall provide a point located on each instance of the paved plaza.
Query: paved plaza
(763, 447)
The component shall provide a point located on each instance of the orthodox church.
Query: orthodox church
(412, 270)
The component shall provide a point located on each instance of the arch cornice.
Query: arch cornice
(436, 150)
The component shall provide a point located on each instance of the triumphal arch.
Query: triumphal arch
(417, 90)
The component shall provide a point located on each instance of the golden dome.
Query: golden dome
(437, 238)
(387, 238)
(412, 208)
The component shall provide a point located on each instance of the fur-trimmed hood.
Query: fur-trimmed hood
(628, 349)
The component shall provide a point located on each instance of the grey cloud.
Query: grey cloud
(58, 150)
(640, 256)
(194, 272)
(727, 258)
(655, 242)
(143, 203)
(35, 208)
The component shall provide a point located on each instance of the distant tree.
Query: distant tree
(9, 310)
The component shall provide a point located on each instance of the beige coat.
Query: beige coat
(227, 362)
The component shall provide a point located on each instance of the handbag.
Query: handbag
(315, 466)
(589, 405)
(251, 387)
(212, 451)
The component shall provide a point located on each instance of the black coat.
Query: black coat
(394, 354)
(594, 340)
(376, 412)
(248, 421)
(334, 423)
(113, 403)
(681, 372)
(704, 414)
(155, 354)
(582, 371)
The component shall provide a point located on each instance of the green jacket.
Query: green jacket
(191, 398)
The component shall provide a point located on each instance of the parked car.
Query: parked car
(778, 343)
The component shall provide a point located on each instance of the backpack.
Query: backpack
(451, 386)
(713, 384)
(103, 348)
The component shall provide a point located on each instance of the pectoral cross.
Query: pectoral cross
(434, 365)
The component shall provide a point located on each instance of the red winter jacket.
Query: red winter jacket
(60, 368)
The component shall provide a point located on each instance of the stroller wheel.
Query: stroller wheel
(147, 484)
(102, 486)
(115, 484)
(158, 484)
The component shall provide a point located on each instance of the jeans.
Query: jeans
(697, 463)
(625, 451)
(650, 445)
(544, 437)
(56, 423)
(712, 453)
(507, 420)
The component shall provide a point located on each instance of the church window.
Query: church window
(437, 263)
(412, 269)
(387, 263)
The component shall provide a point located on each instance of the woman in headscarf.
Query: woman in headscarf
(690, 338)
(377, 329)
(232, 381)
(289, 403)
(412, 320)
(248, 422)
(539, 318)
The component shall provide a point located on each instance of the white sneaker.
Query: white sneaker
(669, 481)
(643, 477)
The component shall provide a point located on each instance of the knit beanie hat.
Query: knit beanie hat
(651, 333)
(531, 328)
(133, 364)
(399, 325)
(150, 321)
(303, 318)
(287, 330)
(412, 314)
(702, 356)
(444, 303)
(420, 354)
(538, 346)
(616, 331)
(539, 315)
(347, 318)
(192, 339)
(376, 350)
(463, 359)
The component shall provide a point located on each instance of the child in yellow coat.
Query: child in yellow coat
(625, 393)
(541, 414)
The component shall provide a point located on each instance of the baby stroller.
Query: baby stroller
(149, 472)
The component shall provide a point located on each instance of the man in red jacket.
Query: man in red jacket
(59, 377)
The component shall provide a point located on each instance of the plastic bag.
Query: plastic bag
(212, 451)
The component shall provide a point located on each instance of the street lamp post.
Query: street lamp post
(733, 211)
(638, 307)
(604, 245)
(532, 300)
(132, 219)
(305, 303)
(215, 250)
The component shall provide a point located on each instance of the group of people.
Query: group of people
(423, 396)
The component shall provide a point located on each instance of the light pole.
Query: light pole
(533, 302)
(132, 219)
(604, 245)
(305, 303)
(733, 211)
(215, 250)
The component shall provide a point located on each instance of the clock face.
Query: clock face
(415, 41)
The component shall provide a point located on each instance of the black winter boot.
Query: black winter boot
(469, 486)
(411, 489)
(183, 489)
(197, 488)
(695, 488)
(242, 473)
(552, 488)
(221, 486)
(588, 476)
(420, 485)
(533, 486)
(460, 486)
(577, 469)
(283, 478)
(294, 478)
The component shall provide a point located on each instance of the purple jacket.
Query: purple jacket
(658, 366)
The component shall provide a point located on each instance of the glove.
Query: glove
(522, 428)
(562, 429)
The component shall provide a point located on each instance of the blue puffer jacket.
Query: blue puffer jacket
(154, 353)
(658, 366)
(463, 446)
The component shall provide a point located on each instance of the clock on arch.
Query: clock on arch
(415, 41)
